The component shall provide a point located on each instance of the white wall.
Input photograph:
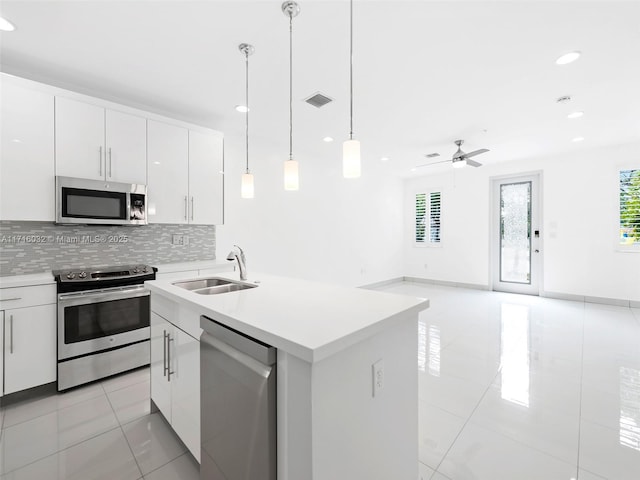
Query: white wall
(579, 217)
(341, 231)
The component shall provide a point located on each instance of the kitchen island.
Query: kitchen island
(331, 422)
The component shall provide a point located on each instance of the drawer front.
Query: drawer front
(182, 317)
(20, 297)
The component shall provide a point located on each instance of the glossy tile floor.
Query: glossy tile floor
(103, 431)
(511, 388)
(515, 387)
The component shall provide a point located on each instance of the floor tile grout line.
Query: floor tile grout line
(57, 452)
(47, 413)
(467, 420)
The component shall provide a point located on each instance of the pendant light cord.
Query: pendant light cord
(351, 70)
(291, 86)
(247, 103)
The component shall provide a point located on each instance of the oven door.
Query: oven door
(96, 320)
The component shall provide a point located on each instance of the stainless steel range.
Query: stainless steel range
(103, 322)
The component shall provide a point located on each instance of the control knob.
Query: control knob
(82, 275)
(71, 275)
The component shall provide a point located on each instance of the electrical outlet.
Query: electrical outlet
(377, 371)
(185, 240)
(177, 239)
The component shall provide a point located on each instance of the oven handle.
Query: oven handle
(105, 295)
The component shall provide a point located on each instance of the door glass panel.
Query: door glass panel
(515, 232)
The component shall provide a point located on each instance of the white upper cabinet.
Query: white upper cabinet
(97, 143)
(185, 175)
(168, 162)
(26, 153)
(205, 178)
(126, 144)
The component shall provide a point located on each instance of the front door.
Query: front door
(516, 235)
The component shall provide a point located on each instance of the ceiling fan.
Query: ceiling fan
(459, 159)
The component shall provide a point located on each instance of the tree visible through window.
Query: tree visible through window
(428, 217)
(630, 207)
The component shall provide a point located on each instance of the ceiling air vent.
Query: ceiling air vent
(432, 155)
(318, 100)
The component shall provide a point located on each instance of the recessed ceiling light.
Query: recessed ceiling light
(327, 139)
(156, 163)
(242, 109)
(385, 159)
(578, 139)
(413, 169)
(568, 58)
(6, 25)
(575, 115)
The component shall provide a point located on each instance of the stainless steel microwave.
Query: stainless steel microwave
(81, 200)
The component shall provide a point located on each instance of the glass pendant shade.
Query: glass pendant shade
(246, 189)
(351, 159)
(291, 175)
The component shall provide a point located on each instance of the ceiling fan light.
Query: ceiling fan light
(351, 159)
(459, 163)
(291, 177)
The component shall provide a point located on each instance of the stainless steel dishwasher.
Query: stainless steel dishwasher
(237, 405)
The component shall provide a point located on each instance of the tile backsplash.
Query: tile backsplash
(33, 247)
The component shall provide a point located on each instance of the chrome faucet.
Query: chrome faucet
(242, 261)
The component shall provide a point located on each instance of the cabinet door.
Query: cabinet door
(205, 178)
(185, 390)
(79, 136)
(1, 355)
(26, 154)
(168, 172)
(160, 387)
(126, 143)
(30, 357)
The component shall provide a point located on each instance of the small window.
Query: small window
(428, 218)
(630, 207)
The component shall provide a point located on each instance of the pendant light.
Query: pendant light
(351, 147)
(246, 188)
(291, 179)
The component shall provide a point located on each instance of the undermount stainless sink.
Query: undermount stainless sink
(213, 286)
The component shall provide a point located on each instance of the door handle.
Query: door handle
(164, 354)
(191, 208)
(185, 207)
(11, 334)
(109, 162)
(169, 372)
(100, 159)
(537, 251)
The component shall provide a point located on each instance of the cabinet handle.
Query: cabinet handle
(10, 299)
(169, 372)
(191, 208)
(185, 207)
(109, 162)
(100, 159)
(164, 354)
(11, 334)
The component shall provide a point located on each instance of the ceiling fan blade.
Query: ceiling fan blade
(432, 163)
(473, 163)
(475, 152)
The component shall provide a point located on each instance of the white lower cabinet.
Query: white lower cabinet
(29, 347)
(175, 380)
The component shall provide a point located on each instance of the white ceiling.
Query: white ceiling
(425, 72)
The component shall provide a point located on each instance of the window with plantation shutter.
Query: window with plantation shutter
(630, 207)
(427, 218)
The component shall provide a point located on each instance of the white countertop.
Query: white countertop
(42, 278)
(309, 320)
